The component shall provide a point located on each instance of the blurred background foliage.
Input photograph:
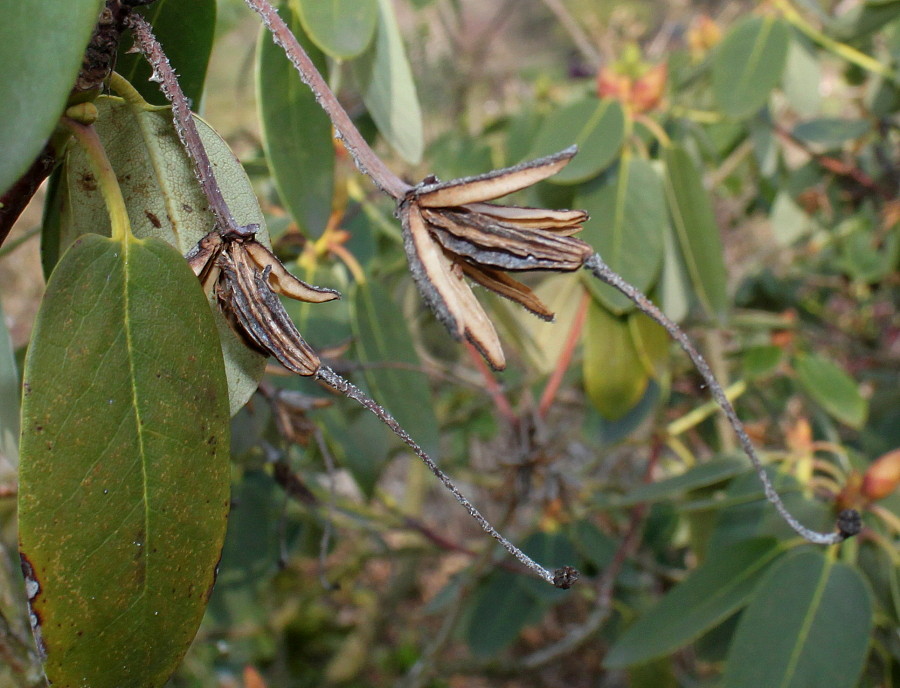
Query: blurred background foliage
(739, 161)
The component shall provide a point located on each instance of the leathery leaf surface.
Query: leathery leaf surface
(164, 200)
(124, 473)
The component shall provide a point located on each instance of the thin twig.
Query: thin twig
(561, 578)
(847, 522)
(184, 125)
(579, 37)
(565, 356)
(365, 158)
(491, 385)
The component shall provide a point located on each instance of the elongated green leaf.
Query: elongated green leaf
(36, 82)
(124, 475)
(596, 126)
(383, 338)
(695, 227)
(832, 389)
(802, 77)
(9, 401)
(831, 132)
(542, 341)
(341, 28)
(807, 625)
(501, 608)
(164, 200)
(674, 287)
(186, 31)
(296, 133)
(388, 89)
(748, 64)
(744, 512)
(627, 227)
(703, 475)
(711, 594)
(614, 377)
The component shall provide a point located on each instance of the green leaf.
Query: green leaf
(744, 512)
(761, 360)
(540, 341)
(598, 129)
(790, 222)
(697, 232)
(614, 376)
(165, 201)
(802, 77)
(124, 476)
(832, 389)
(185, 30)
(865, 256)
(704, 475)
(627, 227)
(9, 401)
(388, 90)
(341, 28)
(296, 132)
(383, 339)
(708, 596)
(41, 46)
(831, 132)
(501, 608)
(807, 625)
(673, 287)
(748, 64)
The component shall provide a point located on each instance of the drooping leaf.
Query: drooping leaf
(831, 132)
(164, 200)
(185, 30)
(743, 511)
(807, 625)
(749, 63)
(697, 232)
(790, 222)
(540, 341)
(501, 608)
(597, 127)
(802, 78)
(340, 28)
(383, 338)
(124, 475)
(832, 389)
(627, 227)
(36, 82)
(708, 596)
(704, 475)
(674, 286)
(614, 377)
(388, 90)
(296, 132)
(9, 400)
(651, 342)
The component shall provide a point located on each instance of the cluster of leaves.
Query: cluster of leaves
(731, 139)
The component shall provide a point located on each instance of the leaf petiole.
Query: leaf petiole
(106, 178)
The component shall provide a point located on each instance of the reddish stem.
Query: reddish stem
(565, 356)
(493, 387)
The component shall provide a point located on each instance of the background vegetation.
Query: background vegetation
(739, 161)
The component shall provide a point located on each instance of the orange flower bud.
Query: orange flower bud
(647, 92)
(611, 84)
(882, 477)
(703, 35)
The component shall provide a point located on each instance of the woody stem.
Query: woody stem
(184, 125)
(363, 155)
(562, 578)
(605, 274)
